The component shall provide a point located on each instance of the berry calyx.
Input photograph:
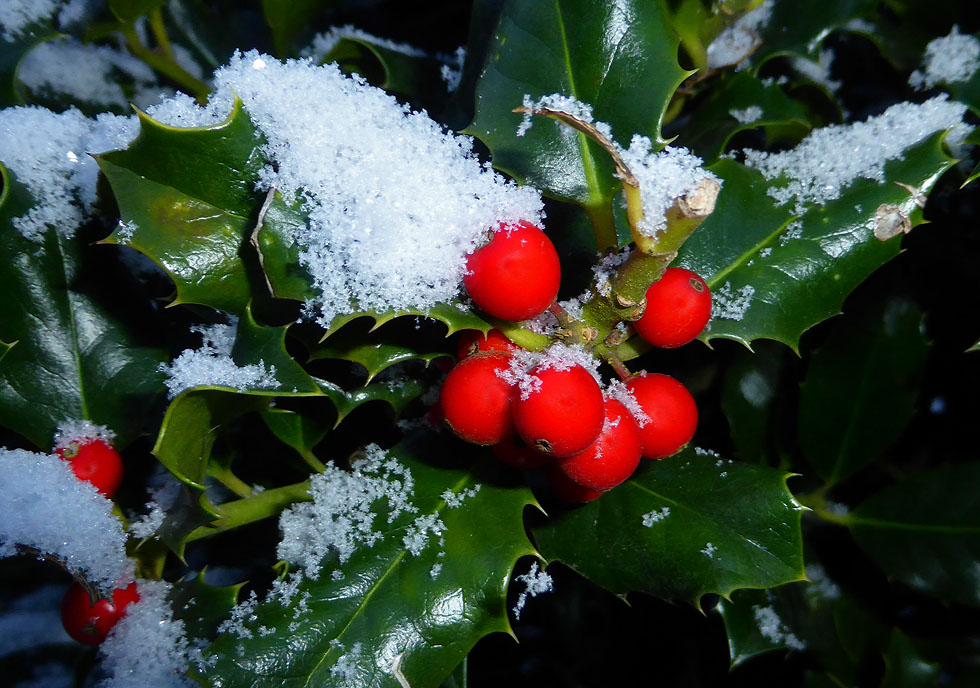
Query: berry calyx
(513, 452)
(672, 414)
(563, 414)
(476, 401)
(94, 461)
(569, 491)
(613, 457)
(515, 276)
(678, 309)
(474, 341)
(90, 623)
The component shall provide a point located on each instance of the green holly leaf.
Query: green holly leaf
(788, 283)
(70, 358)
(398, 394)
(715, 526)
(202, 607)
(289, 20)
(186, 199)
(905, 667)
(799, 28)
(925, 531)
(754, 403)
(761, 621)
(301, 431)
(738, 101)
(874, 362)
(266, 346)
(130, 10)
(389, 609)
(373, 353)
(11, 53)
(619, 56)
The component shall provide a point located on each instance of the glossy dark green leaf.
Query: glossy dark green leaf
(131, 10)
(744, 248)
(69, 357)
(752, 400)
(188, 200)
(762, 621)
(727, 526)
(619, 56)
(11, 53)
(799, 28)
(738, 101)
(905, 667)
(398, 394)
(388, 606)
(201, 606)
(374, 353)
(925, 532)
(266, 346)
(300, 431)
(860, 389)
(288, 20)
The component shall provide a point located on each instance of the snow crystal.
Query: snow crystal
(748, 115)
(523, 365)
(535, 582)
(709, 550)
(755, 388)
(340, 519)
(454, 500)
(620, 392)
(948, 60)
(345, 668)
(570, 105)
(773, 629)
(44, 506)
(820, 586)
(417, 535)
(47, 153)
(655, 516)
(148, 648)
(828, 159)
(162, 498)
(605, 269)
(452, 71)
(241, 614)
(817, 71)
(765, 252)
(739, 40)
(324, 43)
(66, 67)
(77, 432)
(394, 200)
(728, 304)
(16, 16)
(212, 365)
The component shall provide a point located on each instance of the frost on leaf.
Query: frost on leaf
(738, 41)
(948, 60)
(535, 582)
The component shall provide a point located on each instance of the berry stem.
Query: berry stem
(259, 506)
(617, 365)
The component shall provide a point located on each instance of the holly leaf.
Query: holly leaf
(391, 608)
(259, 345)
(619, 56)
(874, 362)
(186, 200)
(374, 354)
(129, 11)
(738, 101)
(925, 531)
(715, 526)
(905, 667)
(202, 607)
(778, 280)
(800, 28)
(11, 53)
(753, 403)
(288, 20)
(300, 431)
(69, 357)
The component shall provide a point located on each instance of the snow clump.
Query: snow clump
(535, 583)
(951, 59)
(739, 40)
(556, 357)
(71, 432)
(394, 201)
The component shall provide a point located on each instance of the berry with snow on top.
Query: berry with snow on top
(516, 275)
(564, 414)
(476, 401)
(90, 623)
(672, 413)
(613, 457)
(474, 341)
(678, 308)
(94, 461)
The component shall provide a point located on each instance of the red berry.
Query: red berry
(516, 275)
(568, 491)
(564, 414)
(613, 457)
(672, 413)
(474, 341)
(89, 623)
(513, 452)
(678, 308)
(95, 462)
(476, 402)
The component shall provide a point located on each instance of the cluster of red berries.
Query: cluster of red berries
(593, 440)
(94, 461)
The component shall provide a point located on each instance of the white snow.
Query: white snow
(948, 60)
(618, 390)
(71, 432)
(16, 16)
(829, 159)
(558, 356)
(535, 583)
(739, 40)
(747, 115)
(729, 304)
(655, 516)
(44, 506)
(395, 201)
(323, 43)
(773, 629)
(817, 71)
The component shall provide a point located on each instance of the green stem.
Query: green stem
(820, 508)
(312, 461)
(233, 483)
(603, 225)
(263, 505)
(165, 65)
(160, 34)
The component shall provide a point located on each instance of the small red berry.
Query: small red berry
(564, 414)
(671, 410)
(90, 623)
(474, 341)
(678, 308)
(515, 276)
(476, 402)
(513, 452)
(96, 462)
(568, 491)
(613, 457)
